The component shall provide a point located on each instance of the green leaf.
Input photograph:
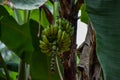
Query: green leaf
(21, 16)
(35, 15)
(17, 38)
(13, 75)
(105, 17)
(2, 75)
(1, 1)
(9, 10)
(49, 5)
(3, 12)
(27, 4)
(43, 19)
(84, 16)
(40, 15)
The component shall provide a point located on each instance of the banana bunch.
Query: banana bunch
(63, 41)
(55, 39)
(48, 37)
(51, 32)
(45, 45)
(65, 25)
(60, 33)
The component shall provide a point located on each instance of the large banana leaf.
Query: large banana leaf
(15, 37)
(105, 17)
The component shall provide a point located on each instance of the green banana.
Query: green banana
(45, 48)
(43, 45)
(63, 35)
(48, 31)
(65, 26)
(64, 49)
(68, 27)
(51, 30)
(67, 39)
(59, 21)
(59, 35)
(44, 38)
(55, 30)
(44, 32)
(46, 51)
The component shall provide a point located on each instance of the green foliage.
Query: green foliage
(40, 16)
(35, 15)
(49, 5)
(2, 75)
(24, 39)
(43, 19)
(13, 75)
(19, 32)
(1, 0)
(21, 16)
(105, 17)
(16, 37)
(84, 16)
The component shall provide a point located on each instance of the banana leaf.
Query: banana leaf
(16, 37)
(105, 17)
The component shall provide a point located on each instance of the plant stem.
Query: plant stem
(58, 68)
(55, 9)
(27, 70)
(4, 66)
(22, 69)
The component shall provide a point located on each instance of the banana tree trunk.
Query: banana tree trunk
(69, 11)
